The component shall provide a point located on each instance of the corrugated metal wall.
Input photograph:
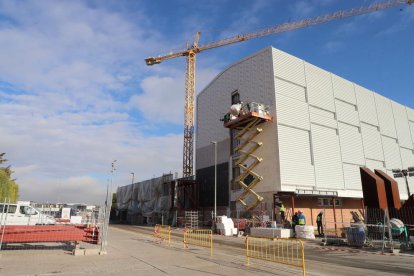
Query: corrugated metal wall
(327, 156)
(325, 126)
(295, 151)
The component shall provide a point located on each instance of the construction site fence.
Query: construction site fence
(371, 227)
(285, 251)
(163, 233)
(199, 237)
(203, 217)
(35, 226)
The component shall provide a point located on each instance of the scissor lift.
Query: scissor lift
(248, 129)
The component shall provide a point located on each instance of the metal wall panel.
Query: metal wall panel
(411, 130)
(385, 116)
(346, 112)
(343, 89)
(391, 153)
(205, 155)
(296, 166)
(288, 67)
(371, 139)
(401, 124)
(252, 77)
(410, 114)
(290, 89)
(366, 105)
(351, 145)
(407, 158)
(292, 112)
(374, 164)
(322, 120)
(321, 112)
(327, 158)
(319, 87)
(322, 117)
(352, 177)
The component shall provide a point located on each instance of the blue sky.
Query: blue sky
(75, 92)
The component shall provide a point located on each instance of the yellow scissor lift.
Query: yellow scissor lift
(248, 128)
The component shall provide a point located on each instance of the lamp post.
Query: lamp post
(133, 174)
(215, 178)
(404, 173)
(107, 211)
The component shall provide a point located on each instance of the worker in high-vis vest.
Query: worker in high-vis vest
(301, 218)
(319, 223)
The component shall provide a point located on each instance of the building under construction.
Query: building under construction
(305, 142)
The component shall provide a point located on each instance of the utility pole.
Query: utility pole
(215, 178)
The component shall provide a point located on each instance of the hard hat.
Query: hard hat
(300, 211)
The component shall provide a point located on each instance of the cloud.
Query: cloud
(65, 83)
(162, 99)
(332, 47)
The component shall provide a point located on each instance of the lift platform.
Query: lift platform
(247, 126)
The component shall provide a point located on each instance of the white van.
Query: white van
(23, 214)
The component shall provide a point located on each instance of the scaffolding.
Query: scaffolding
(246, 122)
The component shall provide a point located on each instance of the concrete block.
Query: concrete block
(271, 232)
(78, 252)
(92, 251)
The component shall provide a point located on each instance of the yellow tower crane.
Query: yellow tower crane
(193, 50)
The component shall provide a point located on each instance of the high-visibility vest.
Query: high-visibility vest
(302, 220)
(282, 208)
(319, 218)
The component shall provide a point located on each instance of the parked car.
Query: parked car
(23, 214)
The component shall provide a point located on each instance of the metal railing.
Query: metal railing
(163, 233)
(25, 226)
(285, 251)
(199, 237)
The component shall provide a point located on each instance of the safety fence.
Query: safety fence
(200, 237)
(28, 226)
(163, 233)
(285, 251)
(384, 229)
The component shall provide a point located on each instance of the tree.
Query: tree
(9, 189)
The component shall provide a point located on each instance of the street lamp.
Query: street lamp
(215, 178)
(133, 174)
(404, 173)
(107, 211)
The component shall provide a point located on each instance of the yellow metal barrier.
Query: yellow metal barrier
(163, 232)
(284, 251)
(200, 237)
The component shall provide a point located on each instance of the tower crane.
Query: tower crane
(192, 51)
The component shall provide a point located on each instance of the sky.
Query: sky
(75, 93)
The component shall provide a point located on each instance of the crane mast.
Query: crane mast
(191, 52)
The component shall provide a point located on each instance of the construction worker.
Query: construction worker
(319, 223)
(301, 218)
(295, 221)
(282, 211)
